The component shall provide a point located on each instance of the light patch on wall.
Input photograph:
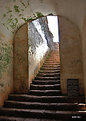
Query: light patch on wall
(41, 49)
(53, 26)
(38, 27)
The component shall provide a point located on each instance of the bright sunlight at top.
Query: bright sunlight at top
(53, 26)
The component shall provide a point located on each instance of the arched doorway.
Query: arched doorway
(71, 61)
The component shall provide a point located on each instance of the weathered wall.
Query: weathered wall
(37, 48)
(47, 33)
(13, 14)
(84, 52)
(20, 60)
(6, 58)
(71, 54)
(6, 69)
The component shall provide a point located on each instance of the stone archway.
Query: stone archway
(20, 56)
(69, 34)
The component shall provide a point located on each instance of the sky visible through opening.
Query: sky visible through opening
(53, 26)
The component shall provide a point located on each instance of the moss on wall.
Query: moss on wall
(5, 57)
(12, 21)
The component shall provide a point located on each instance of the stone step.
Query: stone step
(45, 99)
(47, 82)
(47, 78)
(49, 68)
(45, 87)
(48, 74)
(55, 61)
(51, 56)
(50, 71)
(52, 59)
(51, 62)
(45, 106)
(11, 118)
(61, 115)
(50, 65)
(45, 92)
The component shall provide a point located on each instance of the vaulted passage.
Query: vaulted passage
(44, 101)
(35, 83)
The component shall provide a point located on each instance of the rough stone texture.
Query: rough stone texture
(84, 53)
(48, 35)
(72, 9)
(44, 104)
(38, 45)
(21, 60)
(71, 54)
(34, 38)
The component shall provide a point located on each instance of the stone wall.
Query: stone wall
(47, 34)
(71, 54)
(38, 45)
(20, 60)
(72, 9)
(84, 53)
(13, 14)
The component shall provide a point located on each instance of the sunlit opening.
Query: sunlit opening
(42, 48)
(53, 26)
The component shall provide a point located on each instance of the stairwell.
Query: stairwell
(44, 101)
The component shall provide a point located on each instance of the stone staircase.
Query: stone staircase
(44, 101)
